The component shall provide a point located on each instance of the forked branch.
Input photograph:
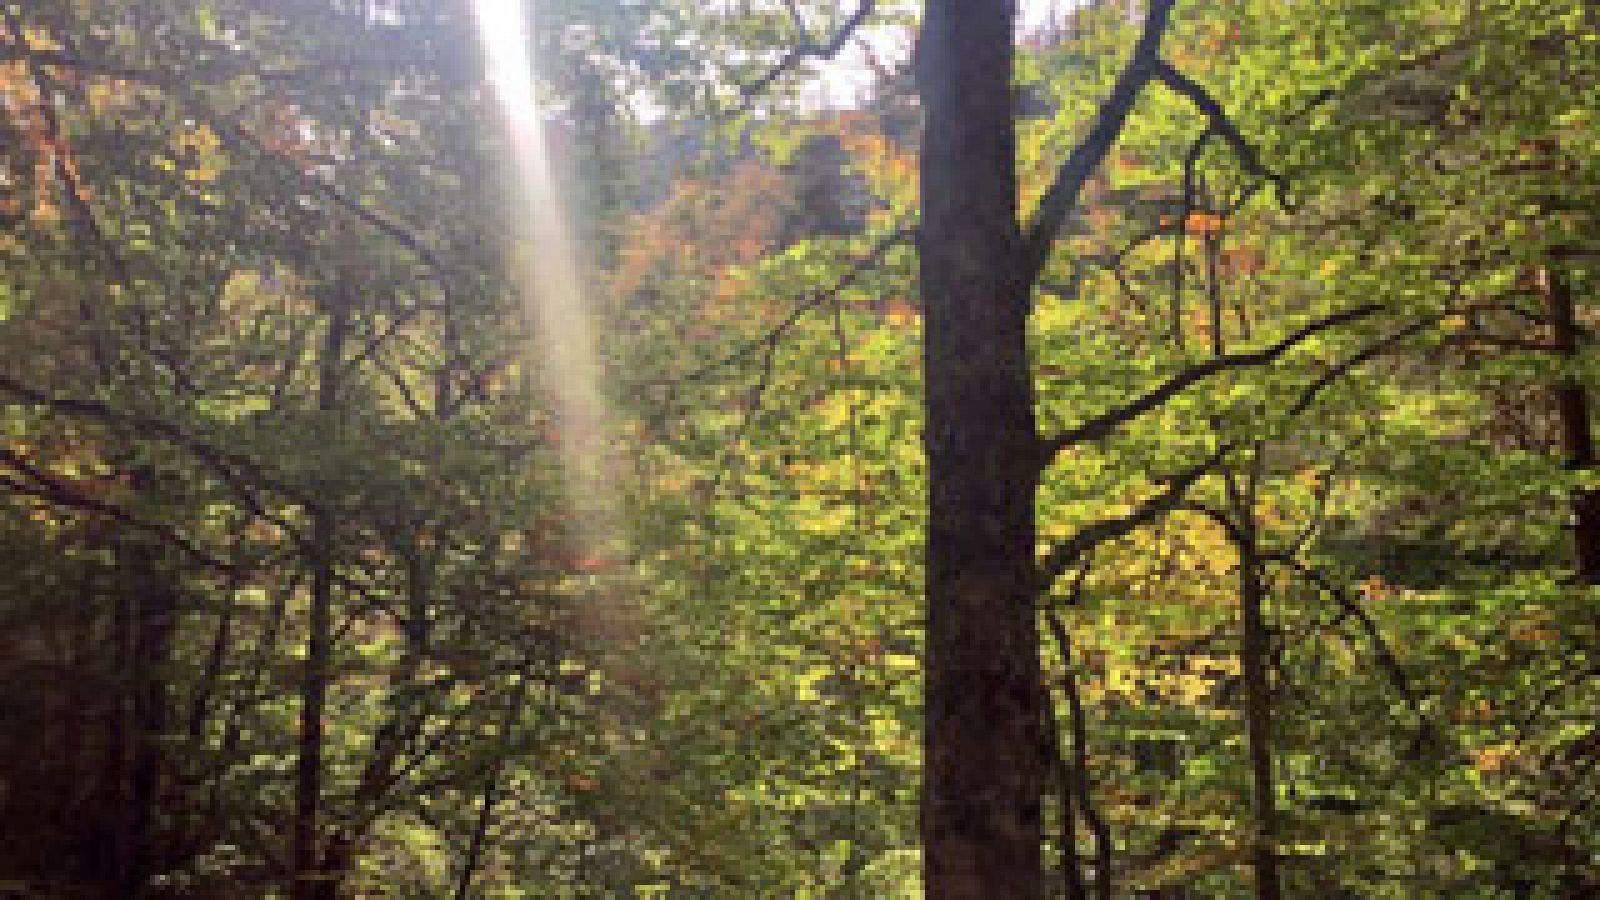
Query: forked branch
(809, 47)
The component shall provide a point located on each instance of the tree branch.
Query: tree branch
(1388, 661)
(1217, 119)
(858, 269)
(1105, 424)
(176, 86)
(1066, 554)
(47, 488)
(1086, 157)
(809, 48)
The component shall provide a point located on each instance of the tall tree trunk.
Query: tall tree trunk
(1253, 652)
(310, 881)
(154, 623)
(144, 620)
(1577, 437)
(121, 733)
(984, 752)
(313, 706)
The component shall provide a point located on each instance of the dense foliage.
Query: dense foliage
(297, 601)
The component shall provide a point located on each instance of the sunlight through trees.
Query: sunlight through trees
(487, 448)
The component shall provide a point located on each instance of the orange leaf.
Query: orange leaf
(1202, 223)
(900, 312)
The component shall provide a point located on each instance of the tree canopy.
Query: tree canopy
(1145, 452)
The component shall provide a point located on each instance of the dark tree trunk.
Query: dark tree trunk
(157, 609)
(1255, 648)
(1258, 713)
(1577, 437)
(313, 704)
(311, 882)
(121, 734)
(985, 759)
(142, 629)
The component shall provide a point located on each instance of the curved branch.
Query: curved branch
(47, 488)
(1217, 119)
(1066, 554)
(1106, 424)
(1086, 157)
(860, 268)
(809, 48)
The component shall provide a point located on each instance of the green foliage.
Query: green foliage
(253, 339)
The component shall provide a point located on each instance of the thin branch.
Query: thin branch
(1387, 660)
(809, 48)
(225, 465)
(1366, 354)
(213, 70)
(1080, 785)
(807, 304)
(1217, 119)
(183, 91)
(86, 222)
(44, 486)
(1066, 554)
(1502, 342)
(1107, 423)
(1320, 498)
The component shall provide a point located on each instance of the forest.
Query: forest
(848, 449)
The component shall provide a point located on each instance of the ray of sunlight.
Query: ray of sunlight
(552, 288)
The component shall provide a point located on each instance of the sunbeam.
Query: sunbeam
(551, 287)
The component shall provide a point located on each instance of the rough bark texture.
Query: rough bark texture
(1577, 437)
(984, 750)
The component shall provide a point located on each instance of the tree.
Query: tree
(1265, 391)
(984, 753)
(983, 750)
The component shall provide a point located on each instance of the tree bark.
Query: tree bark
(310, 881)
(142, 630)
(984, 752)
(156, 603)
(1577, 437)
(1253, 652)
(121, 734)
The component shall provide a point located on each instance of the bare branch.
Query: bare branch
(809, 48)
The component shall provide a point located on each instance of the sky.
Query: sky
(849, 77)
